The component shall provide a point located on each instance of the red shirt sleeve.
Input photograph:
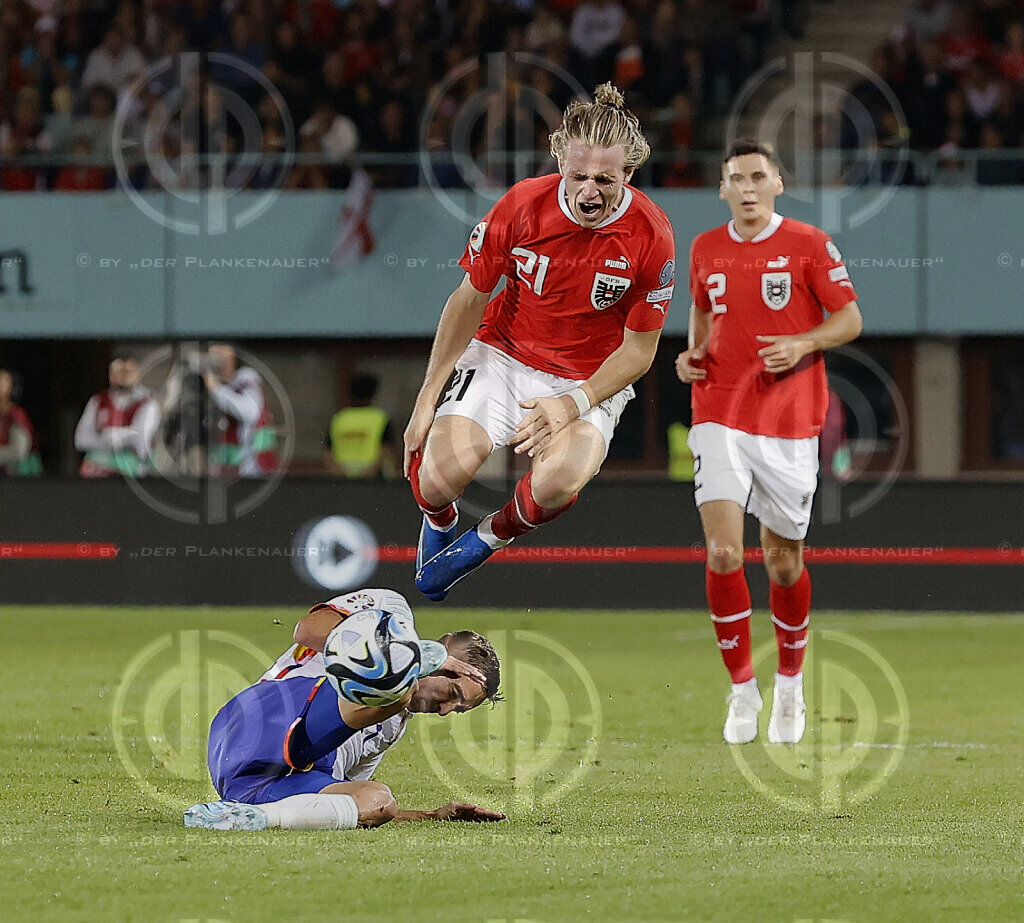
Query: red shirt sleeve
(698, 293)
(487, 252)
(654, 284)
(828, 277)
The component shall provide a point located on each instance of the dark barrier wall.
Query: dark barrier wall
(151, 542)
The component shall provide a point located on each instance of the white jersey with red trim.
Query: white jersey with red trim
(359, 756)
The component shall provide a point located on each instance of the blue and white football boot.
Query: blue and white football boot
(440, 573)
(433, 541)
(226, 815)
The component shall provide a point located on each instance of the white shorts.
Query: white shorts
(770, 477)
(489, 385)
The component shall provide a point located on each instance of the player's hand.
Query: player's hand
(462, 810)
(687, 367)
(455, 668)
(783, 352)
(416, 433)
(547, 417)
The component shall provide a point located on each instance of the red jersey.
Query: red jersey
(781, 282)
(570, 291)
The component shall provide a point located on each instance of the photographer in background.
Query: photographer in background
(118, 425)
(18, 456)
(241, 430)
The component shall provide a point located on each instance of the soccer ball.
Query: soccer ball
(373, 657)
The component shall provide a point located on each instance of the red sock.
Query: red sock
(440, 516)
(729, 601)
(522, 513)
(790, 607)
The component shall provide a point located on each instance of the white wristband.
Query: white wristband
(581, 400)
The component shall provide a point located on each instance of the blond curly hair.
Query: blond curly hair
(604, 122)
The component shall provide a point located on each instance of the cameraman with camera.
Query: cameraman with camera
(241, 430)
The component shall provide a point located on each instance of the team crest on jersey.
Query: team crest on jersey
(668, 273)
(476, 241)
(608, 289)
(776, 287)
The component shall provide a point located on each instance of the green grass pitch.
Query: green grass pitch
(904, 802)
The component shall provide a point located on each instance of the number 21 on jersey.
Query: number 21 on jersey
(716, 289)
(532, 264)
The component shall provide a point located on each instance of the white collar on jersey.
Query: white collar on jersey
(619, 211)
(773, 226)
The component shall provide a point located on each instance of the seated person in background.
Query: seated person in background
(360, 435)
(118, 425)
(18, 456)
(242, 434)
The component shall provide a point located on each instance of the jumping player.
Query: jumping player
(548, 363)
(769, 294)
(288, 752)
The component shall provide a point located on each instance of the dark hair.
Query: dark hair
(477, 651)
(746, 146)
(363, 387)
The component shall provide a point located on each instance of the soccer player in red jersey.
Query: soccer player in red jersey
(548, 363)
(769, 294)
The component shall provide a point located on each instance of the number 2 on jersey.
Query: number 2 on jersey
(716, 289)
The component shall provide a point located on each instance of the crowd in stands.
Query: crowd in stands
(957, 69)
(353, 75)
(449, 78)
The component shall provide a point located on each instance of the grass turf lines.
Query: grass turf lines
(904, 802)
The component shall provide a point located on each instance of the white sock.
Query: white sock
(486, 535)
(789, 682)
(750, 684)
(320, 811)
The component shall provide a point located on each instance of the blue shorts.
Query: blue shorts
(246, 752)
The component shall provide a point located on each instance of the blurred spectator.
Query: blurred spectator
(18, 455)
(118, 426)
(683, 171)
(593, 36)
(928, 19)
(241, 433)
(360, 438)
(394, 136)
(963, 42)
(981, 90)
(544, 30)
(81, 177)
(115, 63)
(97, 126)
(833, 446)
(630, 67)
(927, 87)
(24, 134)
(1011, 60)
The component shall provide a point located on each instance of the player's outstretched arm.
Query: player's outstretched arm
(358, 717)
(783, 352)
(548, 415)
(459, 322)
(454, 810)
